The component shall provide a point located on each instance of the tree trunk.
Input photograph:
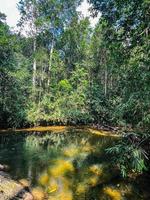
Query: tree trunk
(34, 65)
(41, 84)
(50, 62)
(111, 82)
(105, 87)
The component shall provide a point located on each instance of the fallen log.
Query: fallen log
(12, 190)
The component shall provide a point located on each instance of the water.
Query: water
(71, 165)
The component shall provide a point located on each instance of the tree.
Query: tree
(29, 13)
(11, 80)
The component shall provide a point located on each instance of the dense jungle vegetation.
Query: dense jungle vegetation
(64, 71)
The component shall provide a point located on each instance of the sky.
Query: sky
(9, 7)
(84, 9)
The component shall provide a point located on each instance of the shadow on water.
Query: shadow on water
(69, 165)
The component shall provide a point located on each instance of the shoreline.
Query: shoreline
(58, 129)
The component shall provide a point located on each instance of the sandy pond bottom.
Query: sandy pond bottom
(67, 165)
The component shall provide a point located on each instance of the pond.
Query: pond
(68, 165)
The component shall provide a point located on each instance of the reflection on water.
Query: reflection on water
(71, 165)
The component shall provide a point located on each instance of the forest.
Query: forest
(57, 69)
(65, 72)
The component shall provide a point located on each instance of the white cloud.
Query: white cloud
(9, 7)
(84, 8)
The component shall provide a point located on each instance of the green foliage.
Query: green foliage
(129, 156)
(82, 75)
(120, 65)
(99, 105)
(12, 80)
(67, 104)
(65, 72)
(64, 85)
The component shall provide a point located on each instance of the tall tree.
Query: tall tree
(29, 14)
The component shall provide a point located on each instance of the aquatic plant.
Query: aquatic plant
(61, 167)
(44, 179)
(93, 181)
(52, 186)
(71, 151)
(128, 155)
(96, 169)
(66, 195)
(87, 148)
(81, 188)
(112, 193)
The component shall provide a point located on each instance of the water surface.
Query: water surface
(69, 165)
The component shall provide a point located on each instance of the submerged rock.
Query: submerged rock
(10, 189)
(38, 193)
(4, 167)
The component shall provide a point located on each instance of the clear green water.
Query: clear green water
(71, 165)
